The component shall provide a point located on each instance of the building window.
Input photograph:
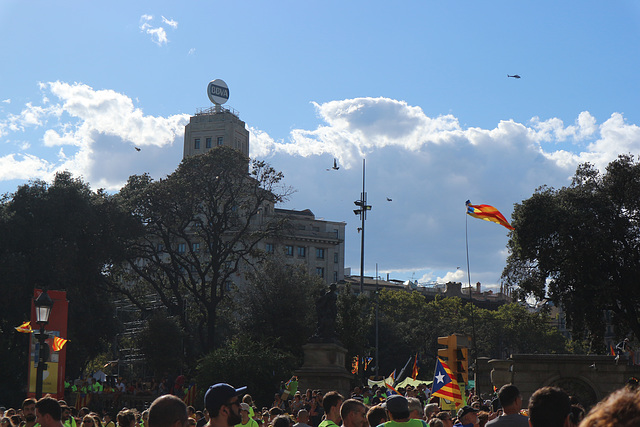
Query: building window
(207, 143)
(227, 285)
(320, 253)
(302, 251)
(182, 248)
(288, 250)
(196, 144)
(269, 248)
(320, 271)
(335, 276)
(316, 228)
(335, 257)
(196, 247)
(220, 140)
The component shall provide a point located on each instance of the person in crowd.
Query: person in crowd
(282, 421)
(5, 422)
(415, 410)
(398, 409)
(511, 403)
(88, 421)
(278, 402)
(108, 419)
(97, 422)
(331, 403)
(296, 403)
(247, 421)
(430, 410)
(619, 409)
(67, 419)
(445, 417)
(302, 418)
(316, 412)
(16, 421)
(29, 412)
(126, 418)
(377, 415)
(467, 417)
(223, 403)
(48, 412)
(167, 411)
(549, 407)
(353, 413)
(435, 422)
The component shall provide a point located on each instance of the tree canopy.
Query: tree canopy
(580, 247)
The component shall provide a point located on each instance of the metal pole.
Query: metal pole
(363, 199)
(377, 306)
(41, 362)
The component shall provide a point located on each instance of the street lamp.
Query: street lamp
(43, 305)
(362, 211)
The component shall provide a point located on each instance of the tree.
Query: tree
(580, 247)
(57, 236)
(277, 304)
(199, 230)
(161, 342)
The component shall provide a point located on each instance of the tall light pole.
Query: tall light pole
(43, 305)
(362, 211)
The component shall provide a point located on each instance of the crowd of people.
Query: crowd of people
(226, 406)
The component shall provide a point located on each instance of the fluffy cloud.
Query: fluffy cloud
(96, 131)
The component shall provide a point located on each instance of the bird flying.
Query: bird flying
(515, 76)
(137, 148)
(389, 199)
(335, 165)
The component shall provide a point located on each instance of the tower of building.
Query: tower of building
(213, 127)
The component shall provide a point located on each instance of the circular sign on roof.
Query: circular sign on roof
(218, 91)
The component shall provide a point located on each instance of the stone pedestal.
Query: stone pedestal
(324, 369)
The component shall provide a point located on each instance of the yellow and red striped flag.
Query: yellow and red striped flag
(487, 213)
(58, 343)
(445, 384)
(25, 328)
(416, 368)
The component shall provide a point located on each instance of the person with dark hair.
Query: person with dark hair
(511, 402)
(398, 408)
(445, 417)
(353, 413)
(282, 421)
(29, 411)
(549, 407)
(223, 403)
(108, 420)
(303, 418)
(331, 403)
(620, 409)
(168, 411)
(48, 412)
(377, 415)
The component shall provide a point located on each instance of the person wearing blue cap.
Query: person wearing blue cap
(222, 401)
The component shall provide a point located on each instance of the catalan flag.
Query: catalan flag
(25, 328)
(445, 384)
(58, 343)
(354, 365)
(487, 213)
(613, 352)
(190, 395)
(416, 368)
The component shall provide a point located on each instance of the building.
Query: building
(316, 244)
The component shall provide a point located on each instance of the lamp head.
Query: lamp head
(43, 304)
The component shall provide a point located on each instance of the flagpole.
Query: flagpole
(473, 326)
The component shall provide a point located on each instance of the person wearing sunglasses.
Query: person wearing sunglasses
(223, 403)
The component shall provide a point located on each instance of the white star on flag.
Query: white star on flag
(440, 378)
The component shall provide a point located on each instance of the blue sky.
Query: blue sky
(418, 88)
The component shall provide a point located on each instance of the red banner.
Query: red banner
(53, 382)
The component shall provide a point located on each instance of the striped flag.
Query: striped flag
(487, 213)
(58, 343)
(190, 396)
(25, 328)
(445, 384)
(416, 368)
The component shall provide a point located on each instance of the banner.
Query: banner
(53, 377)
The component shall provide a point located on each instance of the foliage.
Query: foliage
(57, 236)
(277, 304)
(580, 247)
(161, 342)
(355, 320)
(257, 364)
(199, 229)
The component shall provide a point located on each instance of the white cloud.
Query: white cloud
(158, 33)
(6, 101)
(192, 51)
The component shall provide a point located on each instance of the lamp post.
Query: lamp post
(362, 211)
(43, 305)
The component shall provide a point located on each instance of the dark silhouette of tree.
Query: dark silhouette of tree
(580, 247)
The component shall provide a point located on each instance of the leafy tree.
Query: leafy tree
(278, 304)
(257, 364)
(57, 236)
(354, 322)
(161, 341)
(580, 247)
(199, 230)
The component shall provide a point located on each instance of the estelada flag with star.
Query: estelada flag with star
(445, 384)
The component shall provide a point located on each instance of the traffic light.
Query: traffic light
(448, 353)
(463, 364)
(456, 355)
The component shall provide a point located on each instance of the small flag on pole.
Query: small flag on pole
(354, 365)
(445, 385)
(416, 368)
(487, 213)
(25, 328)
(58, 343)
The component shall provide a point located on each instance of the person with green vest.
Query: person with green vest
(67, 419)
(247, 421)
(331, 403)
(398, 408)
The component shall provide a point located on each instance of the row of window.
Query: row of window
(182, 247)
(320, 272)
(207, 142)
(301, 251)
